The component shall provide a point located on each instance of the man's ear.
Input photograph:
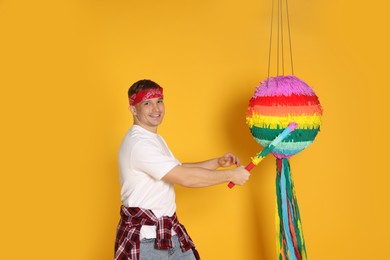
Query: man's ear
(133, 111)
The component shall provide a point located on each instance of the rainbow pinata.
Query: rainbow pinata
(279, 101)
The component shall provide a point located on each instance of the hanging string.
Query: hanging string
(279, 40)
(289, 38)
(270, 42)
(280, 15)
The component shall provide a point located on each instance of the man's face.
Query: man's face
(149, 113)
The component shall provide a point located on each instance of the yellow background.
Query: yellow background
(66, 65)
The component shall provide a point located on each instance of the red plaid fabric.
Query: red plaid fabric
(127, 243)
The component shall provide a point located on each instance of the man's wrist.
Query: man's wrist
(228, 175)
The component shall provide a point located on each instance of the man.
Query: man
(149, 228)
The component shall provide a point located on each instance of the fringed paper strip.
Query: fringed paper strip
(283, 86)
(284, 110)
(284, 100)
(290, 241)
(275, 122)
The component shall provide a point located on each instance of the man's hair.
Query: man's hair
(141, 85)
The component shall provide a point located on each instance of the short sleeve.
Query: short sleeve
(150, 157)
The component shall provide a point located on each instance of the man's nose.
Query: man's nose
(155, 107)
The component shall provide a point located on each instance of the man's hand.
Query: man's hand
(228, 159)
(240, 176)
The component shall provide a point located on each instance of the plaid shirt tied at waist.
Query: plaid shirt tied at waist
(127, 243)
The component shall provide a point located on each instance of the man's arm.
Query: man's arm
(197, 177)
(212, 164)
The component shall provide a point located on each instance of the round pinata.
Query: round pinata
(277, 102)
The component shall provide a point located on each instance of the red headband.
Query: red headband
(145, 94)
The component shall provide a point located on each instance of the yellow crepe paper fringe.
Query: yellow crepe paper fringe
(275, 122)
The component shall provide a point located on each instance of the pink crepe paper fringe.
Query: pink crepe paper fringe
(283, 86)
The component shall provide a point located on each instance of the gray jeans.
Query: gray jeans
(148, 252)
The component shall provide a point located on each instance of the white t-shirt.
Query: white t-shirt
(144, 158)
